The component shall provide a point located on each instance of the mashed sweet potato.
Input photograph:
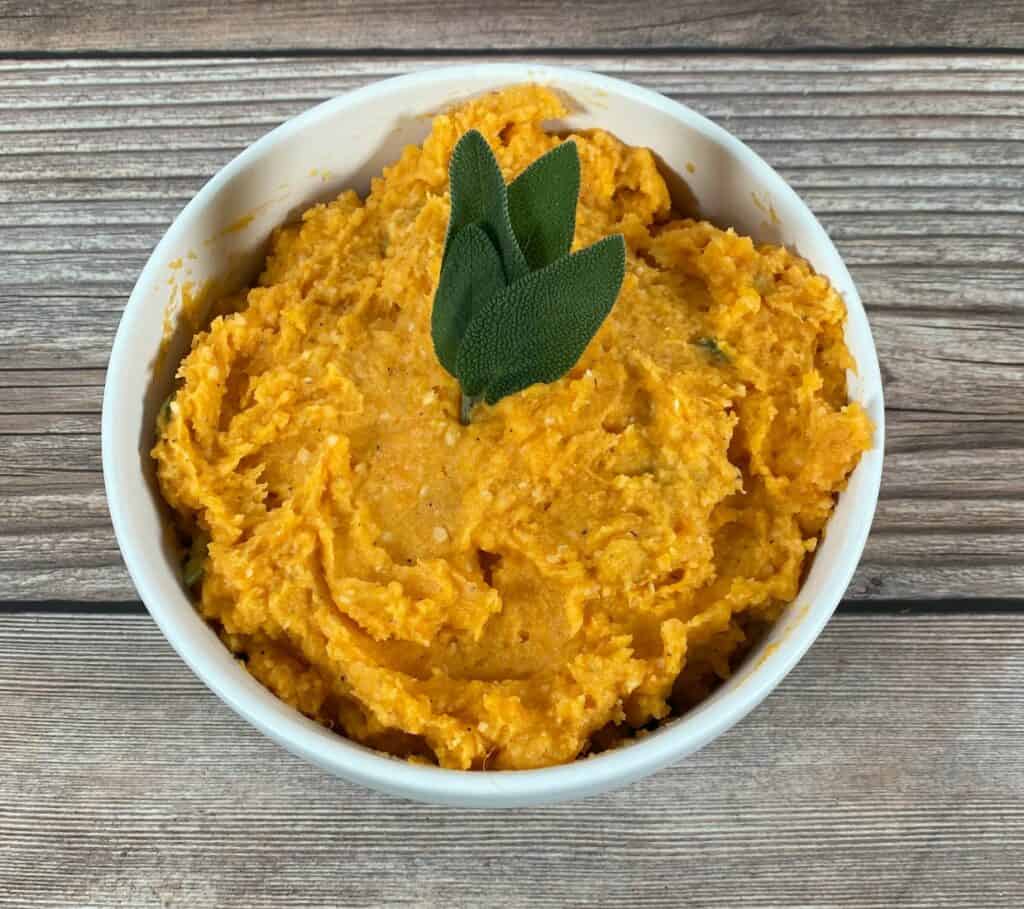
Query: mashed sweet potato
(581, 560)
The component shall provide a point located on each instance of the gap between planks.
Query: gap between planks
(126, 57)
(892, 607)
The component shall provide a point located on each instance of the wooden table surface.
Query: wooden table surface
(888, 769)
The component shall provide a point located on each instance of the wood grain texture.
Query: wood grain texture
(897, 745)
(912, 162)
(886, 771)
(110, 25)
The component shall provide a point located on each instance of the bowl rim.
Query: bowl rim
(485, 788)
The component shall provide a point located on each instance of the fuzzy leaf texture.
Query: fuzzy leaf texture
(537, 328)
(479, 196)
(542, 205)
(470, 276)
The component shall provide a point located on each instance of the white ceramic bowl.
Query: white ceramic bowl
(340, 144)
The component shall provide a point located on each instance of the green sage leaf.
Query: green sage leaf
(542, 205)
(479, 196)
(195, 562)
(536, 329)
(471, 275)
(713, 348)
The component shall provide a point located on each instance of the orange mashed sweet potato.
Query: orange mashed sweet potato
(582, 560)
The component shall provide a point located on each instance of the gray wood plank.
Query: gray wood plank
(97, 157)
(522, 24)
(921, 224)
(888, 769)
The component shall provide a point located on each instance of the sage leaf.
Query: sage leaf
(542, 205)
(195, 562)
(479, 196)
(713, 348)
(537, 328)
(502, 321)
(471, 275)
(163, 415)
